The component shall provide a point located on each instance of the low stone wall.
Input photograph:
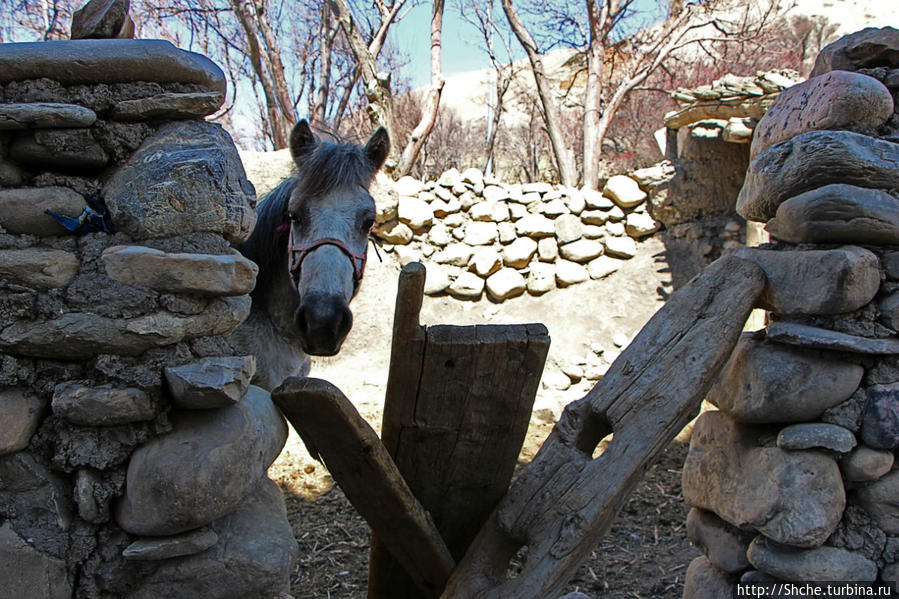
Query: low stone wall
(794, 478)
(133, 451)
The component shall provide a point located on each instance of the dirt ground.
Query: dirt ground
(646, 552)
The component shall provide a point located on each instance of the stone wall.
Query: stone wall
(133, 451)
(794, 478)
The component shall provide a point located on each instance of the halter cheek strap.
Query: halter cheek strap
(299, 252)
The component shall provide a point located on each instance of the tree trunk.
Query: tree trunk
(429, 113)
(563, 152)
(326, 39)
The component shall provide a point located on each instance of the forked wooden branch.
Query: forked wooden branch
(565, 501)
(334, 431)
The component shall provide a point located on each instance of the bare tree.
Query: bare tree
(616, 65)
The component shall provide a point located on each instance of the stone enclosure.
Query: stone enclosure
(133, 452)
(793, 478)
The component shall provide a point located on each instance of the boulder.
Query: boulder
(467, 286)
(199, 274)
(811, 160)
(168, 107)
(881, 500)
(570, 273)
(869, 47)
(20, 414)
(865, 464)
(415, 212)
(436, 280)
(99, 19)
(394, 232)
(624, 191)
(595, 200)
(455, 254)
(408, 186)
(602, 267)
(166, 494)
(101, 405)
(817, 281)
(43, 115)
(23, 210)
(27, 572)
(838, 213)
(724, 545)
(536, 226)
(835, 100)
(640, 224)
(39, 268)
(704, 581)
(541, 279)
(581, 251)
(767, 382)
(880, 417)
(568, 228)
(793, 497)
(108, 61)
(485, 262)
(187, 178)
(620, 247)
(210, 382)
(480, 233)
(820, 564)
(505, 283)
(382, 190)
(253, 559)
(547, 249)
(519, 253)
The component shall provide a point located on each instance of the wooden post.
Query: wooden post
(564, 501)
(458, 404)
(334, 432)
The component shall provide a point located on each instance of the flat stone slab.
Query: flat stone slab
(156, 548)
(44, 114)
(199, 274)
(816, 435)
(102, 405)
(793, 497)
(766, 382)
(20, 413)
(169, 106)
(210, 382)
(818, 564)
(869, 47)
(72, 151)
(187, 178)
(791, 333)
(811, 160)
(23, 210)
(39, 268)
(838, 213)
(100, 19)
(80, 335)
(72, 62)
(816, 281)
(835, 100)
(165, 492)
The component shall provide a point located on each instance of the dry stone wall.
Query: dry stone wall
(133, 450)
(794, 477)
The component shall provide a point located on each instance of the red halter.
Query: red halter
(357, 260)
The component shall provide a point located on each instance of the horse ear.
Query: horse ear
(302, 141)
(378, 147)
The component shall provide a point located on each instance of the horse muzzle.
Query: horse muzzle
(323, 322)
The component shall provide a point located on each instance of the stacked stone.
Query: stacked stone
(794, 478)
(133, 451)
(475, 233)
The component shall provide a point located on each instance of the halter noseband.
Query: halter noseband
(298, 253)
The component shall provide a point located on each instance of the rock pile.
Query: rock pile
(794, 477)
(133, 451)
(475, 233)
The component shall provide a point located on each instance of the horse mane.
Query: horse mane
(267, 245)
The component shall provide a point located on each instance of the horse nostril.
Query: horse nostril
(323, 322)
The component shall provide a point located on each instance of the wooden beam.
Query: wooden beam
(564, 501)
(336, 434)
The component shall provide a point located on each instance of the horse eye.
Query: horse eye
(292, 216)
(367, 224)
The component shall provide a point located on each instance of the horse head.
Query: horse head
(329, 215)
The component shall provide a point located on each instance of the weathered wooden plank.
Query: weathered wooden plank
(335, 433)
(564, 501)
(455, 419)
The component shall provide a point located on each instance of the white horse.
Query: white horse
(310, 243)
